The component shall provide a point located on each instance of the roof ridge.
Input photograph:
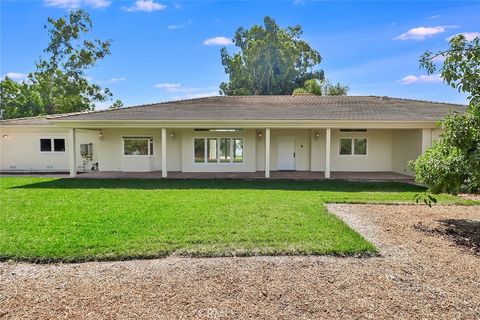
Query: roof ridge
(415, 100)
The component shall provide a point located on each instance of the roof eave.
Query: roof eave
(384, 124)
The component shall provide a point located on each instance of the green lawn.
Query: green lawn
(44, 219)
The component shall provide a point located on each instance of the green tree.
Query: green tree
(270, 60)
(59, 79)
(116, 105)
(334, 89)
(325, 88)
(453, 163)
(19, 100)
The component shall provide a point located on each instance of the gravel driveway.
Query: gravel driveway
(419, 275)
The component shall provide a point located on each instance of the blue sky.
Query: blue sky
(166, 50)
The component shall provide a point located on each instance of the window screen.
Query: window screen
(59, 145)
(45, 145)
(345, 146)
(360, 146)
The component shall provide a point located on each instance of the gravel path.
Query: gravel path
(418, 276)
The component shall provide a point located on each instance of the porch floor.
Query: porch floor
(258, 175)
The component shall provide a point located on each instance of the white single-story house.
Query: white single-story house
(229, 134)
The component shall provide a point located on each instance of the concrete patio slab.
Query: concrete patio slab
(258, 175)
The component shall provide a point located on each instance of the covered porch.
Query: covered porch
(258, 175)
(308, 153)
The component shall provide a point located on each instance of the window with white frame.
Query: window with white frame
(353, 146)
(52, 145)
(137, 146)
(218, 150)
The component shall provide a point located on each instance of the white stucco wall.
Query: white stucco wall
(174, 150)
(379, 151)
(317, 156)
(20, 149)
(260, 150)
(388, 150)
(111, 156)
(406, 146)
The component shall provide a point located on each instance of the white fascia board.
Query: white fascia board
(288, 124)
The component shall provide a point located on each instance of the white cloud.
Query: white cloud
(16, 76)
(145, 5)
(469, 36)
(421, 79)
(72, 4)
(115, 80)
(434, 17)
(421, 33)
(299, 2)
(218, 41)
(169, 86)
(179, 26)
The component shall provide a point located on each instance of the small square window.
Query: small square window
(345, 146)
(59, 145)
(45, 145)
(360, 147)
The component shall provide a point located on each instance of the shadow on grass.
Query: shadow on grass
(149, 184)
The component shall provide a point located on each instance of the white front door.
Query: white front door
(286, 153)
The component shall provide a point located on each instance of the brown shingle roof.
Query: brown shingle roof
(29, 121)
(277, 108)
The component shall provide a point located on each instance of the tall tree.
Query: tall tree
(321, 88)
(59, 79)
(270, 60)
(453, 163)
(18, 100)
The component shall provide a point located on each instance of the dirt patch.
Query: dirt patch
(417, 276)
(465, 233)
(470, 196)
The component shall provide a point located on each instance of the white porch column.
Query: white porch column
(426, 139)
(164, 152)
(328, 134)
(267, 153)
(72, 154)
